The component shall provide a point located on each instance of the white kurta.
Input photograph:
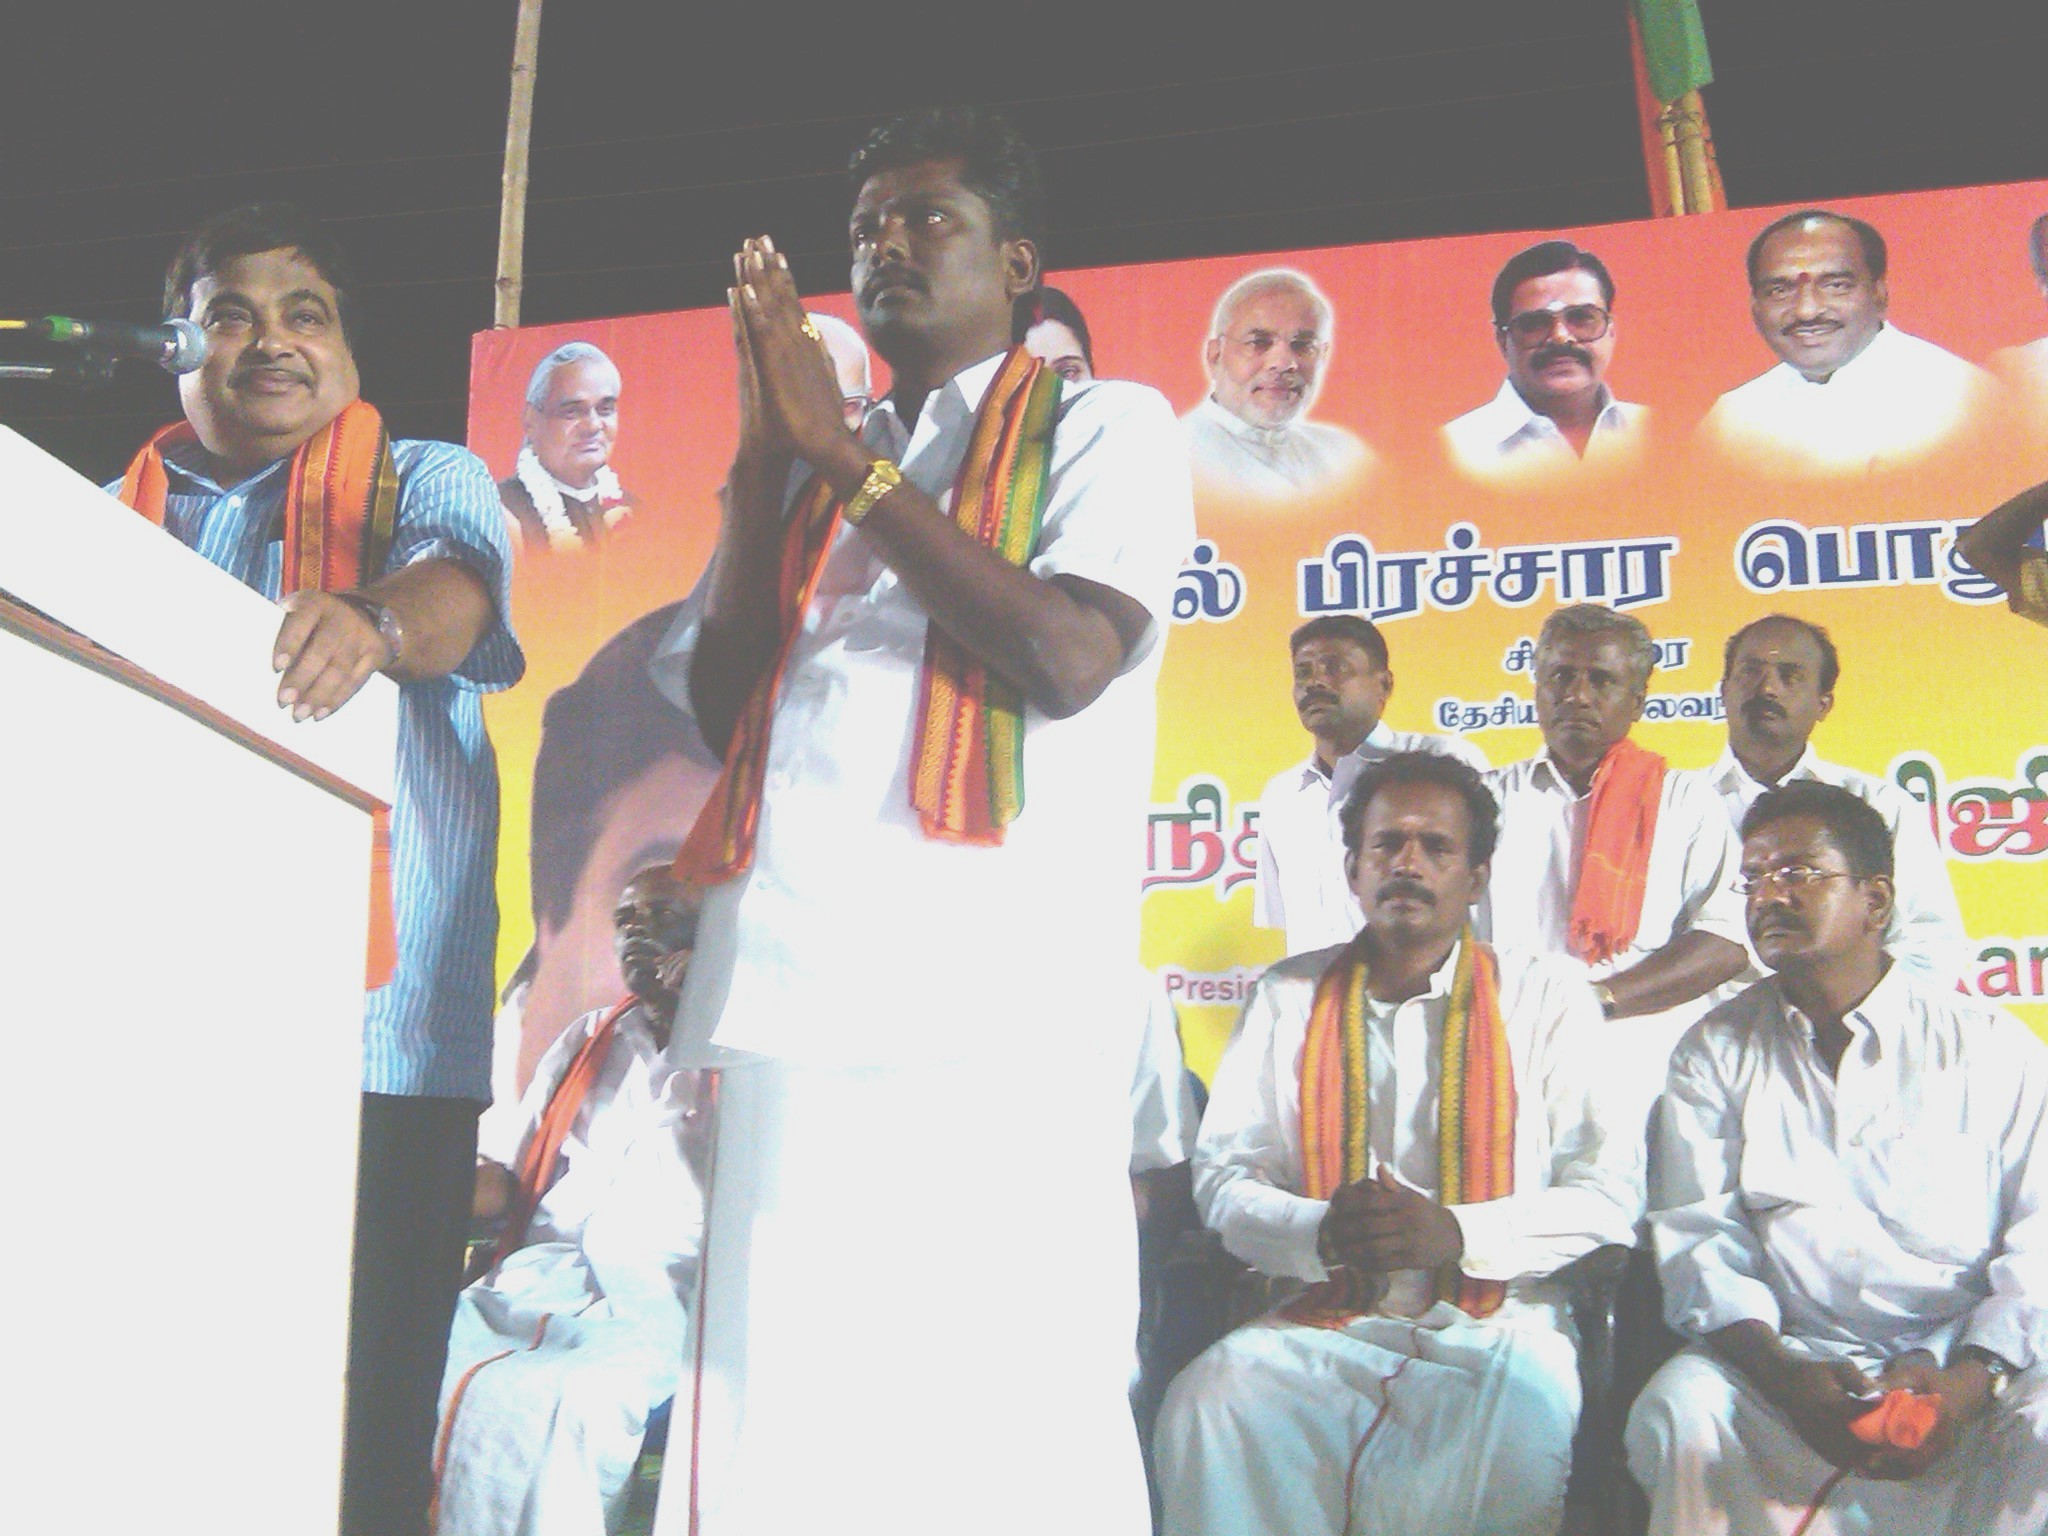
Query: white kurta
(1895, 401)
(889, 1339)
(1505, 440)
(559, 1353)
(1231, 457)
(1162, 1102)
(1926, 930)
(1899, 1204)
(1260, 1433)
(1694, 861)
(1299, 883)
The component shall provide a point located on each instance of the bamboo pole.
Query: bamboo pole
(511, 280)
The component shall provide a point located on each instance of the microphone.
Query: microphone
(178, 346)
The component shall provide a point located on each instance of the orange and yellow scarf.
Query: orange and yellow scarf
(1475, 1115)
(340, 510)
(967, 770)
(1614, 871)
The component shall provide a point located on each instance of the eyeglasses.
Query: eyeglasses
(1582, 322)
(856, 407)
(1793, 877)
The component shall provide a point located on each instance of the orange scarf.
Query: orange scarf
(544, 1148)
(340, 509)
(967, 768)
(1621, 824)
(1475, 1116)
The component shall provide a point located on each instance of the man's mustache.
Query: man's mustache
(1316, 696)
(1557, 351)
(1759, 709)
(1414, 889)
(1810, 325)
(248, 371)
(892, 277)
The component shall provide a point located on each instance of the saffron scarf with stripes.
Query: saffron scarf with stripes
(340, 511)
(536, 1169)
(1475, 1115)
(967, 764)
(1614, 871)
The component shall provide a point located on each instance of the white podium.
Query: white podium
(183, 918)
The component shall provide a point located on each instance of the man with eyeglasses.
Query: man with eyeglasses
(1850, 391)
(1849, 1196)
(1778, 677)
(851, 366)
(1553, 319)
(1250, 437)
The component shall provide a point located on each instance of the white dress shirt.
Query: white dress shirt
(1230, 455)
(1576, 1185)
(1892, 402)
(1895, 1205)
(855, 940)
(1507, 438)
(1299, 882)
(1926, 930)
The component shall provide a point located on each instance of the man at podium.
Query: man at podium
(385, 556)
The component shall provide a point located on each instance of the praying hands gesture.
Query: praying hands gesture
(789, 402)
(1379, 1225)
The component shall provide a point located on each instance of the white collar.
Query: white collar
(1729, 772)
(968, 386)
(1508, 416)
(1265, 437)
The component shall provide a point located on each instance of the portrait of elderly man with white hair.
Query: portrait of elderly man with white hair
(1250, 436)
(564, 495)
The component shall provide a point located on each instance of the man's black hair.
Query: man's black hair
(1042, 304)
(1874, 257)
(996, 164)
(1541, 260)
(1830, 659)
(1362, 633)
(1853, 824)
(597, 736)
(245, 231)
(1482, 816)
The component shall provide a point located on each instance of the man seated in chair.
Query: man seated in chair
(1410, 1122)
(561, 1350)
(1850, 1197)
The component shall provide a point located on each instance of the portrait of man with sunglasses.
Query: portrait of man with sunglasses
(1553, 319)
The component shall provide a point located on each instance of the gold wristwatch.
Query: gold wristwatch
(883, 477)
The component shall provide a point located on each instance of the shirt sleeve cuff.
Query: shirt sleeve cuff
(2001, 1325)
(1733, 1300)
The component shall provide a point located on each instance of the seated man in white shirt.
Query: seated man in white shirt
(1848, 1191)
(575, 1334)
(1411, 1123)
(1268, 345)
(1850, 391)
(1778, 678)
(1610, 855)
(1342, 682)
(1553, 319)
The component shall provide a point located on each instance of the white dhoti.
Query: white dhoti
(546, 1399)
(1420, 1426)
(918, 1306)
(1718, 1460)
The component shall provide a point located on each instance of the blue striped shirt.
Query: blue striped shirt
(428, 1032)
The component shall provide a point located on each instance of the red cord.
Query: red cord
(1386, 1402)
(1813, 1509)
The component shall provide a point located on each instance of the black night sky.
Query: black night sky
(666, 132)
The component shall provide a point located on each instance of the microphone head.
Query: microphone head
(188, 351)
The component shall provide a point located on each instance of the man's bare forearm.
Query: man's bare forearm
(442, 609)
(1690, 966)
(740, 629)
(1061, 643)
(1995, 542)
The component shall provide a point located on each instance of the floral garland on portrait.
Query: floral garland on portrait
(547, 494)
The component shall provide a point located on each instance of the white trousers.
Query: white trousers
(1432, 1426)
(1718, 1460)
(918, 1306)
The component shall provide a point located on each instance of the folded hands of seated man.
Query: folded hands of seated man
(1379, 1224)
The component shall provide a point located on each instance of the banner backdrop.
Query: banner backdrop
(1845, 519)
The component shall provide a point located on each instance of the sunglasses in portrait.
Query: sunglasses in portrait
(1582, 322)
